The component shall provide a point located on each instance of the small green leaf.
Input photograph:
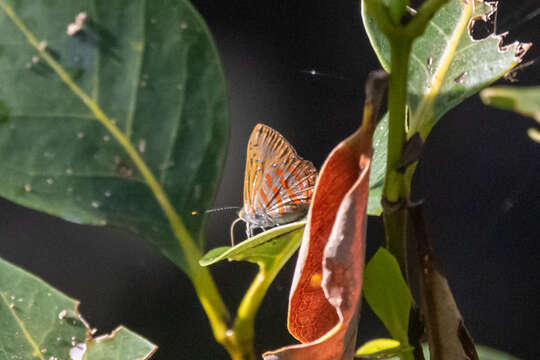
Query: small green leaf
(378, 167)
(39, 322)
(387, 294)
(523, 100)
(381, 349)
(265, 249)
(447, 65)
(148, 68)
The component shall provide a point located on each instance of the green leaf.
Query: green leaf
(146, 72)
(378, 167)
(447, 65)
(381, 349)
(39, 322)
(523, 100)
(387, 294)
(274, 246)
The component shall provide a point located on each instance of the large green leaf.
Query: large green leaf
(523, 100)
(39, 322)
(387, 294)
(447, 65)
(148, 68)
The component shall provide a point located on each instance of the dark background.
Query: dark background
(478, 176)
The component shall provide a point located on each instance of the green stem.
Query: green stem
(395, 191)
(244, 325)
(397, 107)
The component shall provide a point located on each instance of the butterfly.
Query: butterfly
(278, 184)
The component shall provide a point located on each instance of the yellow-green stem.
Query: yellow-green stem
(244, 324)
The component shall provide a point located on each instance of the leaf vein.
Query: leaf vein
(20, 323)
(135, 91)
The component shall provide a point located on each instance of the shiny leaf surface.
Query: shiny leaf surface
(148, 68)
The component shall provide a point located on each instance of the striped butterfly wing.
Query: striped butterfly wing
(278, 183)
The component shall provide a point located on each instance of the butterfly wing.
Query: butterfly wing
(278, 184)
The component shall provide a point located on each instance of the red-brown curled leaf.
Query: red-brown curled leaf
(328, 278)
(326, 289)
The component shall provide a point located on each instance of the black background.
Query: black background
(478, 176)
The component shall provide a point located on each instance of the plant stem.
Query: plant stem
(395, 191)
(244, 325)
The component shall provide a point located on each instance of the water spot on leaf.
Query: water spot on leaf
(142, 145)
(42, 45)
(48, 155)
(77, 352)
(75, 27)
(62, 314)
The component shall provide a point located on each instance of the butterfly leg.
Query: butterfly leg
(249, 230)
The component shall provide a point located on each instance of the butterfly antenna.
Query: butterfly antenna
(232, 230)
(196, 212)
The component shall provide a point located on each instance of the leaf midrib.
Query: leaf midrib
(20, 323)
(434, 85)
